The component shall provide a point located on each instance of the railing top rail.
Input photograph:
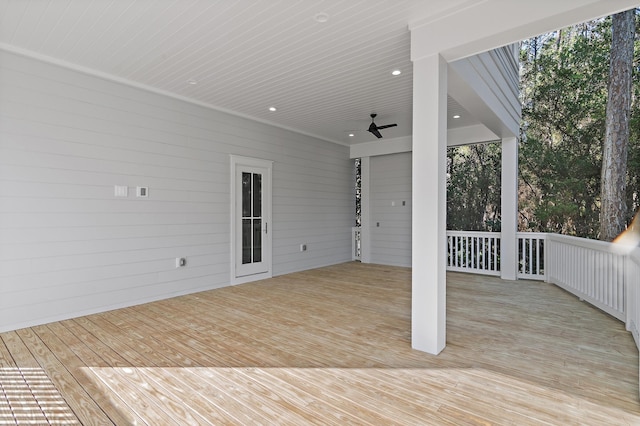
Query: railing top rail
(539, 235)
(589, 244)
(473, 233)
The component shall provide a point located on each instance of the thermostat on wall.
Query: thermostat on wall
(142, 191)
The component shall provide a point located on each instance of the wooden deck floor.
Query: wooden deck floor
(328, 346)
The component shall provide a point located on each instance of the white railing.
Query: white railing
(604, 274)
(592, 270)
(531, 258)
(474, 252)
(633, 294)
(479, 253)
(356, 243)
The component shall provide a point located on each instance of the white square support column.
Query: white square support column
(428, 298)
(509, 210)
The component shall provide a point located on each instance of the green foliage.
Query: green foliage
(564, 100)
(473, 188)
(564, 91)
(358, 189)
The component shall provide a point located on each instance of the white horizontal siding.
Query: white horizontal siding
(500, 69)
(391, 182)
(68, 247)
(494, 78)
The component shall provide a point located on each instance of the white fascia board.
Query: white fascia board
(467, 135)
(381, 147)
(484, 25)
(470, 135)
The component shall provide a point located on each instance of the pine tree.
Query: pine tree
(613, 211)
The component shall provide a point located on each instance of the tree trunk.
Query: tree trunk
(613, 208)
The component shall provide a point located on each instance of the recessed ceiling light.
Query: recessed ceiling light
(321, 17)
(396, 72)
(351, 135)
(192, 81)
(273, 109)
(456, 116)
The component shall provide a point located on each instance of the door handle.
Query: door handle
(266, 227)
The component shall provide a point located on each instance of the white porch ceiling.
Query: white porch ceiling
(245, 55)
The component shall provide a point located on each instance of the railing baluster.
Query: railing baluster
(537, 272)
(523, 259)
(495, 256)
(530, 259)
(472, 256)
(530, 243)
(466, 252)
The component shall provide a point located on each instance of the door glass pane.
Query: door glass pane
(246, 194)
(257, 240)
(246, 241)
(251, 220)
(257, 195)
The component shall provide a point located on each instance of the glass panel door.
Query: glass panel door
(252, 225)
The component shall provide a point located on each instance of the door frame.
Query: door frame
(236, 162)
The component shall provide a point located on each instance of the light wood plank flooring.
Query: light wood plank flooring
(327, 346)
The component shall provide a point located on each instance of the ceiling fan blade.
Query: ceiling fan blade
(386, 126)
(373, 129)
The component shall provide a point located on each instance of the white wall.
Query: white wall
(391, 183)
(69, 247)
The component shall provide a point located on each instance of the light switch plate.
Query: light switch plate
(121, 191)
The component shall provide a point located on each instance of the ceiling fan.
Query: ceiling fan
(375, 129)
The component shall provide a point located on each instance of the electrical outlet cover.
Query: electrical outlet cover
(142, 191)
